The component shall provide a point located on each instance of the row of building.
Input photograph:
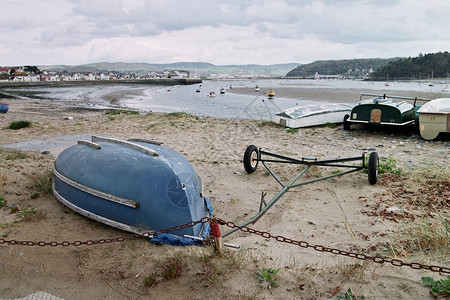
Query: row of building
(18, 74)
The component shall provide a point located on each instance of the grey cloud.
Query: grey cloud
(347, 24)
(156, 17)
(364, 21)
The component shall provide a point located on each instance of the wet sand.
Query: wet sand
(335, 95)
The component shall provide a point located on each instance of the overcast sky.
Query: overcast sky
(48, 32)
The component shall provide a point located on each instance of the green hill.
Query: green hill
(424, 66)
(356, 68)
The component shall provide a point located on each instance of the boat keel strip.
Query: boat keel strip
(97, 193)
(97, 217)
(144, 141)
(90, 144)
(125, 143)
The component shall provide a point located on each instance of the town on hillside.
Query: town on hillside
(32, 74)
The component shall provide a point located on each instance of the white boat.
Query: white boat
(256, 88)
(434, 118)
(212, 94)
(312, 115)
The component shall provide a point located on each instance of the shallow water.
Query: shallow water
(231, 104)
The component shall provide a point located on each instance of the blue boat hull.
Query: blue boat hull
(135, 186)
(4, 108)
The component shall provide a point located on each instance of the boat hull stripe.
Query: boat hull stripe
(381, 123)
(97, 217)
(97, 193)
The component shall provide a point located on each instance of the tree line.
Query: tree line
(350, 68)
(422, 67)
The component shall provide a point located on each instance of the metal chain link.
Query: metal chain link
(104, 241)
(264, 234)
(320, 248)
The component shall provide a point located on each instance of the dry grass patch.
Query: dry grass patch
(422, 205)
(41, 182)
(427, 238)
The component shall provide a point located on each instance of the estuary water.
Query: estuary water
(239, 100)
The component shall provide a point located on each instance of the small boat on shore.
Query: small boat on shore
(271, 94)
(4, 108)
(212, 95)
(384, 110)
(135, 185)
(222, 91)
(434, 118)
(256, 88)
(312, 115)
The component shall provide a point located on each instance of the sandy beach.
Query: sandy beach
(346, 212)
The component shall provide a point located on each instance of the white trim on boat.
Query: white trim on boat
(125, 143)
(90, 144)
(97, 217)
(381, 123)
(97, 193)
(145, 141)
(104, 220)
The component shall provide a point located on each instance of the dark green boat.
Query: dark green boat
(384, 110)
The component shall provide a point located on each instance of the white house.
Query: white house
(89, 76)
(54, 77)
(104, 76)
(76, 76)
(20, 76)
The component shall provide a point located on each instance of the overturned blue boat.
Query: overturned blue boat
(4, 108)
(135, 185)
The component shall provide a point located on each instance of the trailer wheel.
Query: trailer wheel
(417, 127)
(346, 123)
(251, 157)
(372, 168)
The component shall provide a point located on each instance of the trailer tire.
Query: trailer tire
(372, 168)
(346, 122)
(251, 156)
(417, 127)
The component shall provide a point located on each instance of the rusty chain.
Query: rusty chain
(264, 234)
(104, 241)
(320, 248)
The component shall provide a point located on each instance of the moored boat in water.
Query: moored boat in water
(312, 115)
(135, 185)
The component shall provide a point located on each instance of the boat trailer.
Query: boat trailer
(253, 156)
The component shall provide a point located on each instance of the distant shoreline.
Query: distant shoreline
(159, 81)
